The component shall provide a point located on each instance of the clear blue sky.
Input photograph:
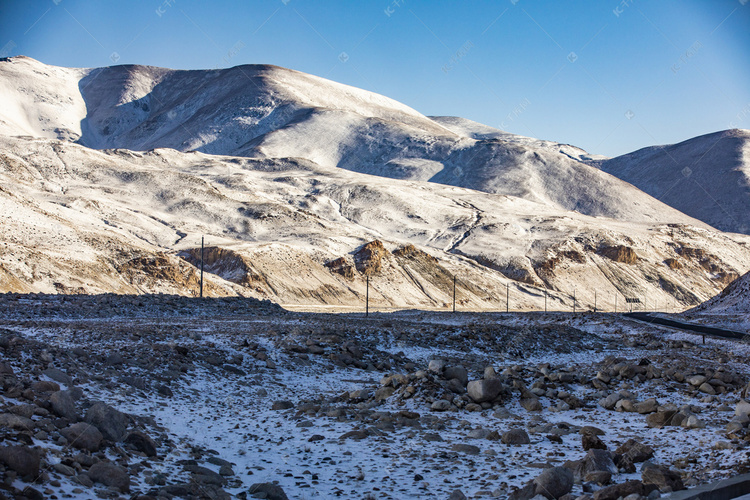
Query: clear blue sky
(610, 76)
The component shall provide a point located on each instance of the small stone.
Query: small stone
(457, 495)
(531, 404)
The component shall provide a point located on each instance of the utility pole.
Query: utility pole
(594, 300)
(367, 298)
(615, 302)
(202, 238)
(454, 293)
(574, 301)
(507, 299)
(545, 301)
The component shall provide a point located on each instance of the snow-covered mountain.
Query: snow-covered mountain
(265, 111)
(303, 187)
(76, 219)
(707, 177)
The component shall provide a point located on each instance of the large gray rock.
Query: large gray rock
(553, 483)
(9, 420)
(141, 442)
(58, 376)
(63, 405)
(484, 390)
(22, 459)
(83, 436)
(742, 409)
(622, 490)
(110, 474)
(661, 477)
(516, 436)
(111, 423)
(457, 372)
(272, 491)
(632, 452)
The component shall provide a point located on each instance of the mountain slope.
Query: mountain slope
(707, 177)
(734, 299)
(80, 220)
(270, 112)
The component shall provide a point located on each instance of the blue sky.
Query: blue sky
(610, 76)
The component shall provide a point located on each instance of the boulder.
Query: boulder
(742, 409)
(553, 483)
(441, 405)
(622, 490)
(63, 405)
(531, 403)
(282, 405)
(22, 459)
(141, 442)
(457, 372)
(660, 418)
(647, 406)
(58, 376)
(110, 422)
(11, 421)
(516, 437)
(484, 390)
(272, 491)
(662, 477)
(610, 401)
(83, 436)
(632, 452)
(592, 442)
(111, 475)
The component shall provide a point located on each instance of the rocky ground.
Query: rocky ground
(168, 397)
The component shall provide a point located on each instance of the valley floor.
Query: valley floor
(223, 398)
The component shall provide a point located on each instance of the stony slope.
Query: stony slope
(707, 177)
(80, 220)
(271, 112)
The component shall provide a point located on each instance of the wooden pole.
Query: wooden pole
(545, 301)
(594, 300)
(202, 238)
(507, 299)
(367, 298)
(574, 301)
(454, 293)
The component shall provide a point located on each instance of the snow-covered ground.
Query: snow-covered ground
(341, 435)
